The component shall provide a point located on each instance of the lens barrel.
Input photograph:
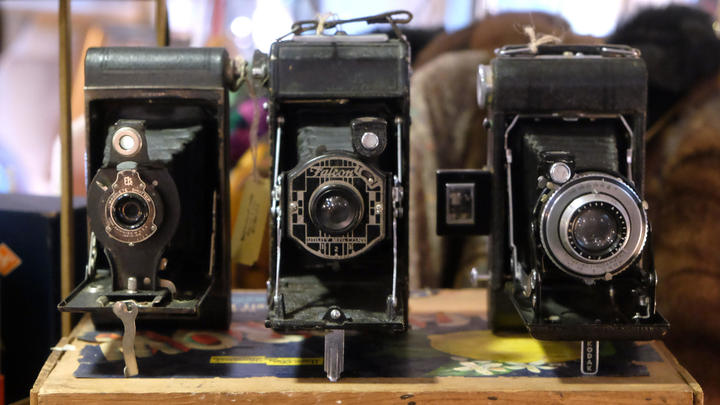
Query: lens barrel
(336, 208)
(593, 226)
(130, 211)
(597, 229)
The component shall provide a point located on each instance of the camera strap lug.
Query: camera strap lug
(589, 357)
(127, 311)
(334, 360)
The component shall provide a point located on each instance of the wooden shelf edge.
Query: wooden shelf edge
(698, 396)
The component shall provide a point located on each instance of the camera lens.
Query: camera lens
(593, 225)
(130, 211)
(335, 212)
(337, 209)
(596, 230)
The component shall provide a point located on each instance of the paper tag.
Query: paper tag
(9, 261)
(251, 223)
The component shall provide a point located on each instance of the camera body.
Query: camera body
(339, 122)
(570, 248)
(157, 192)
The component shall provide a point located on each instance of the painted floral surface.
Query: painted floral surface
(441, 344)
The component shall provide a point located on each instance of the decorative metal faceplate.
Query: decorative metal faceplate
(336, 169)
(129, 182)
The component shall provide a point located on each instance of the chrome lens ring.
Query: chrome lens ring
(610, 192)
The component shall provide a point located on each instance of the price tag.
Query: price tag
(251, 223)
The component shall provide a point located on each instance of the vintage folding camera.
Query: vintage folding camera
(339, 122)
(157, 197)
(569, 235)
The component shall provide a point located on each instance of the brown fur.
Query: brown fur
(495, 31)
(684, 197)
(446, 132)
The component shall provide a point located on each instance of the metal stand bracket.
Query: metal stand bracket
(127, 312)
(334, 354)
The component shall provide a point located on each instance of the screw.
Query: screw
(293, 206)
(132, 284)
(127, 142)
(474, 276)
(378, 209)
(335, 314)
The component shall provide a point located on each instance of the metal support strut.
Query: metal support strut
(334, 354)
(276, 209)
(397, 200)
(127, 312)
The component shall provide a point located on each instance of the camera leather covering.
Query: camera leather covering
(176, 98)
(586, 104)
(324, 95)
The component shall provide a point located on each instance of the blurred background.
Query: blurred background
(680, 41)
(29, 145)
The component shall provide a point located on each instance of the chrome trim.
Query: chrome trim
(602, 187)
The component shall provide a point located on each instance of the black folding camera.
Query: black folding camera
(339, 125)
(569, 235)
(157, 192)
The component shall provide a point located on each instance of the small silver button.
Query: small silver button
(560, 172)
(370, 140)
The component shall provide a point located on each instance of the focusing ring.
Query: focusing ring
(563, 205)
